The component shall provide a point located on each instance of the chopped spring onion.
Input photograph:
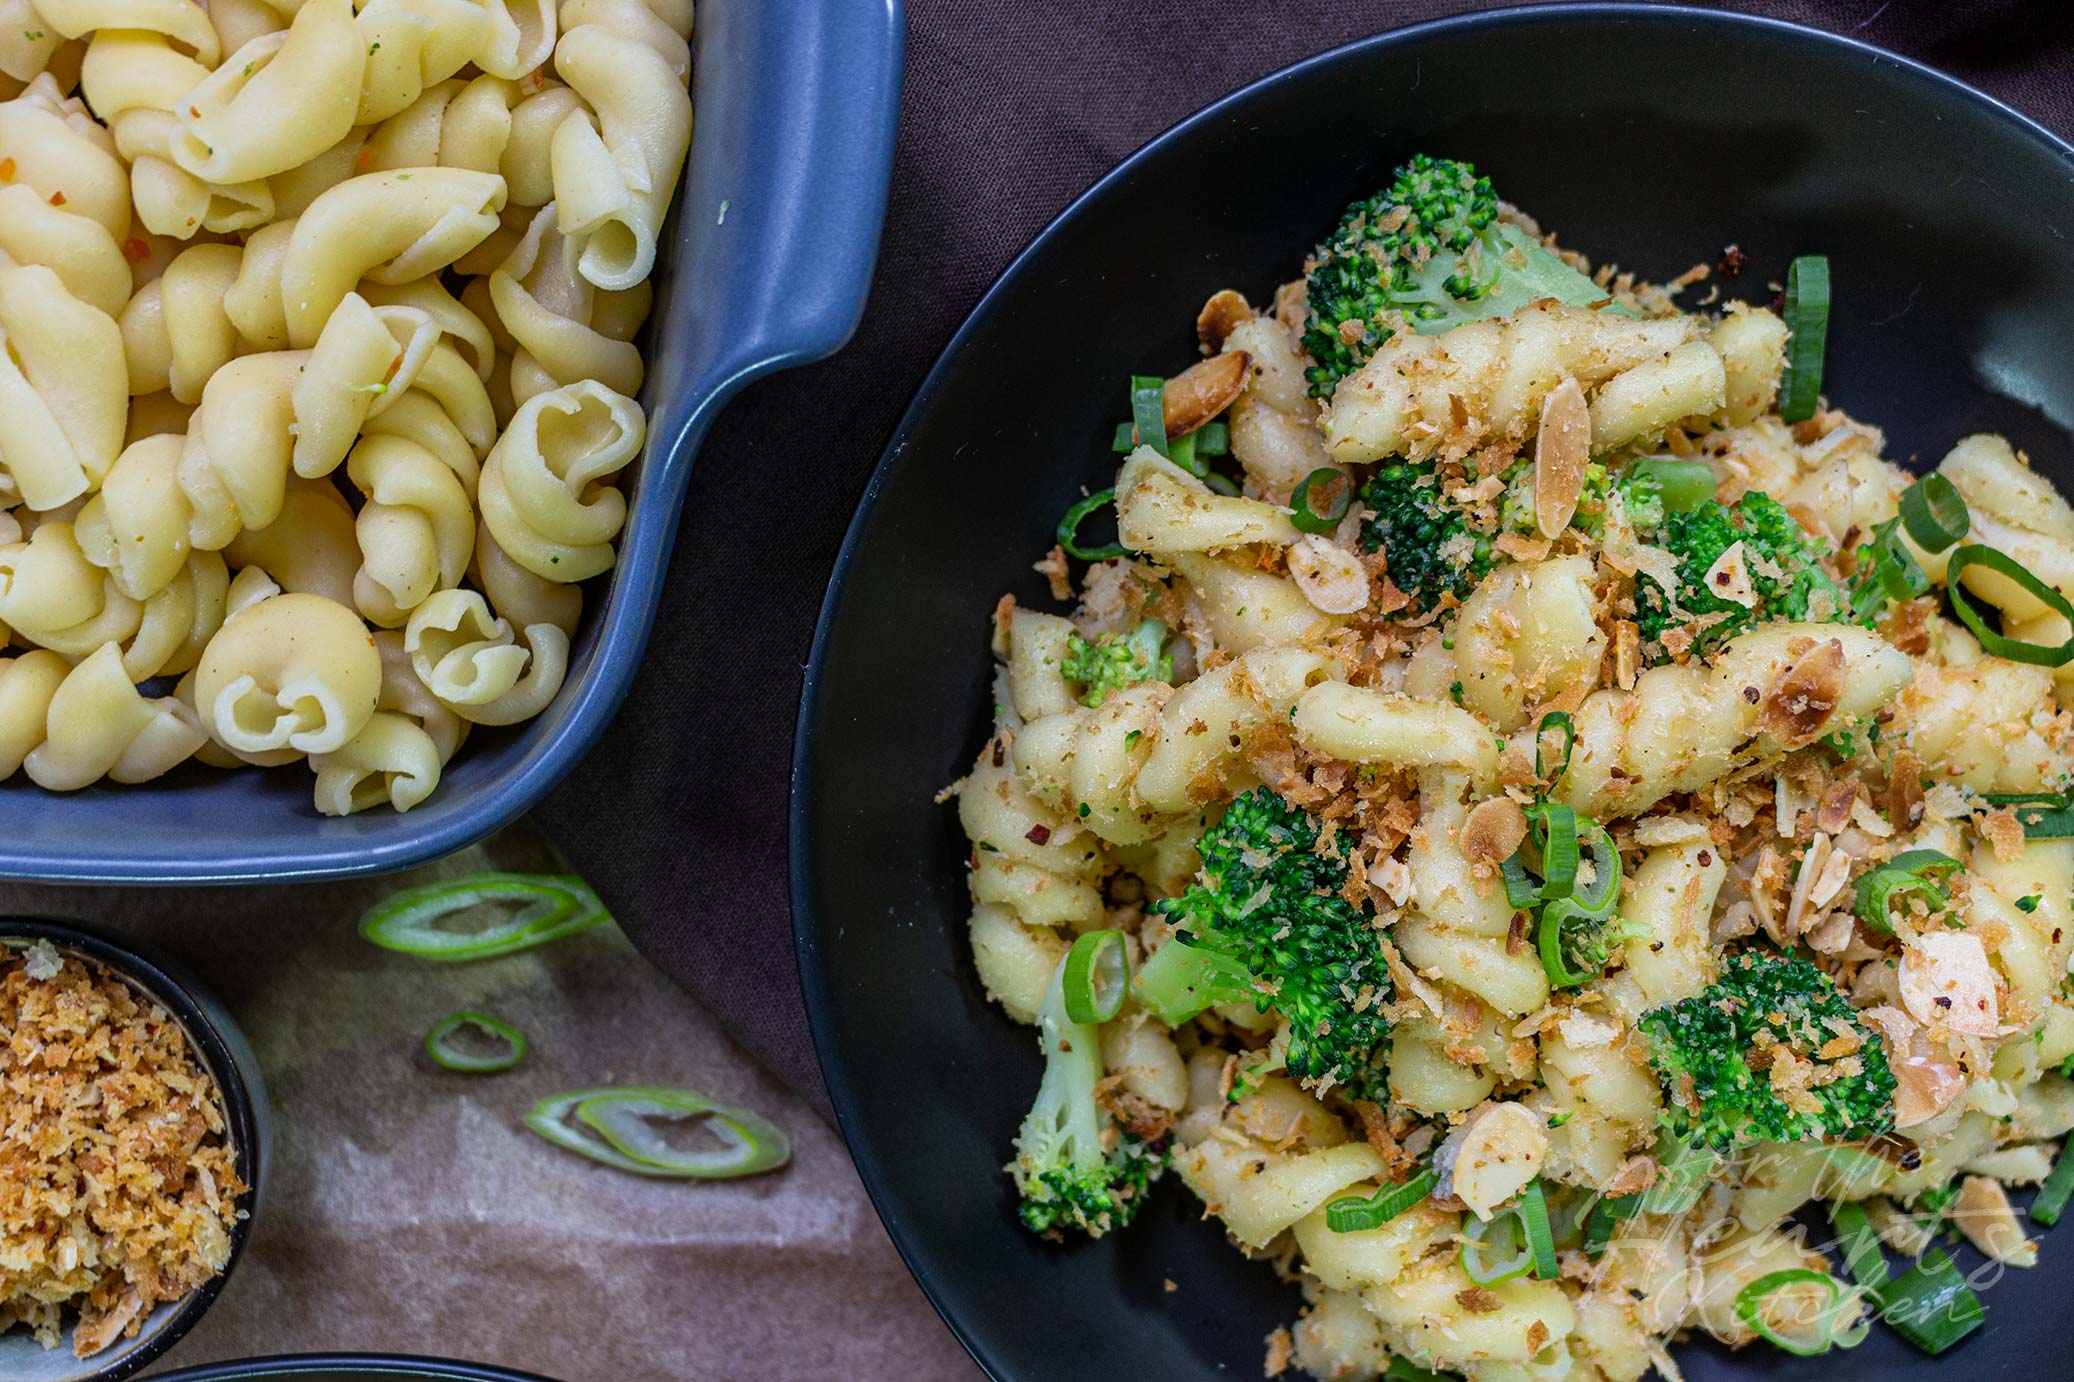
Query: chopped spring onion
(1996, 643)
(1682, 1173)
(748, 1144)
(1403, 1371)
(1568, 1209)
(1860, 1247)
(2043, 815)
(440, 1044)
(1820, 1331)
(2054, 1194)
(1934, 513)
(1149, 411)
(1605, 1217)
(1331, 482)
(1211, 439)
(1887, 571)
(552, 906)
(1533, 1213)
(1682, 485)
(1807, 317)
(1353, 1214)
(1913, 871)
(1596, 898)
(1220, 484)
(1554, 720)
(1495, 1249)
(1097, 975)
(1557, 914)
(1069, 529)
(1930, 1304)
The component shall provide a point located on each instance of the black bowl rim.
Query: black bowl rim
(394, 1364)
(802, 861)
(166, 983)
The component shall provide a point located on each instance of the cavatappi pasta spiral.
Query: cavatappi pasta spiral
(1647, 633)
(316, 407)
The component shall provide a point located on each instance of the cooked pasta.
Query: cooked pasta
(317, 398)
(1552, 802)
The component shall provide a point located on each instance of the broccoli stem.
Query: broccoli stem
(1180, 981)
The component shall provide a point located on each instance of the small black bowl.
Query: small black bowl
(1649, 136)
(229, 1061)
(345, 1367)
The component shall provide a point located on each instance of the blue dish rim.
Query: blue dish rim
(814, 978)
(387, 1364)
(859, 46)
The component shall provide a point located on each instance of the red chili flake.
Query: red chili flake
(57, 199)
(1706, 859)
(1039, 835)
(6, 170)
(135, 250)
(1733, 261)
(364, 157)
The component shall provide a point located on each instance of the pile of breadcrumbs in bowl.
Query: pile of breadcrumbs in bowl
(118, 1185)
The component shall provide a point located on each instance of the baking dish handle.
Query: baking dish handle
(796, 102)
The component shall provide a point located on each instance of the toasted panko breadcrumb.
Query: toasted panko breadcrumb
(117, 1183)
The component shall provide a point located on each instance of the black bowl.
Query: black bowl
(224, 1053)
(345, 1367)
(1649, 136)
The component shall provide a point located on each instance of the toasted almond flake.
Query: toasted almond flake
(1225, 310)
(1729, 578)
(1947, 984)
(1654, 831)
(1830, 934)
(1204, 390)
(1812, 864)
(1797, 709)
(1627, 653)
(1393, 876)
(1492, 832)
(1836, 871)
(1330, 577)
(1982, 1212)
(1562, 451)
(1632, 1176)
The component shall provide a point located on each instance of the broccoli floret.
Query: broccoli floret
(1074, 1168)
(1429, 246)
(1427, 542)
(1113, 661)
(1265, 924)
(1743, 1061)
(1783, 562)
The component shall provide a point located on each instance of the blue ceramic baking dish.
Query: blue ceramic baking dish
(777, 228)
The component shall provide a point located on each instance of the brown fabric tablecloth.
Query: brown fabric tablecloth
(1010, 110)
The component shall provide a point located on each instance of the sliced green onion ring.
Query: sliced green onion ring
(1913, 871)
(1996, 643)
(1098, 974)
(553, 906)
(1533, 1214)
(1594, 843)
(1682, 485)
(440, 1044)
(1889, 572)
(1555, 830)
(749, 1144)
(1495, 1249)
(1149, 411)
(1554, 720)
(1310, 520)
(2043, 815)
(2057, 1190)
(1212, 439)
(1555, 914)
(1934, 513)
(1126, 439)
(1069, 529)
(1181, 451)
(1824, 1334)
(1605, 1216)
(1860, 1246)
(1930, 1304)
(1683, 1170)
(1807, 317)
(1220, 484)
(1568, 1211)
(1353, 1214)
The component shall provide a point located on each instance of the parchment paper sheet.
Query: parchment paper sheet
(408, 1211)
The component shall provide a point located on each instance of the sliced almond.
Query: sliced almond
(1204, 390)
(1798, 708)
(1330, 577)
(1729, 578)
(1562, 450)
(1627, 653)
(1947, 984)
(1292, 303)
(1493, 831)
(1982, 1212)
(1225, 310)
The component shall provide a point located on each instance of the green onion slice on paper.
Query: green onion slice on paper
(622, 1133)
(444, 1044)
(420, 921)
